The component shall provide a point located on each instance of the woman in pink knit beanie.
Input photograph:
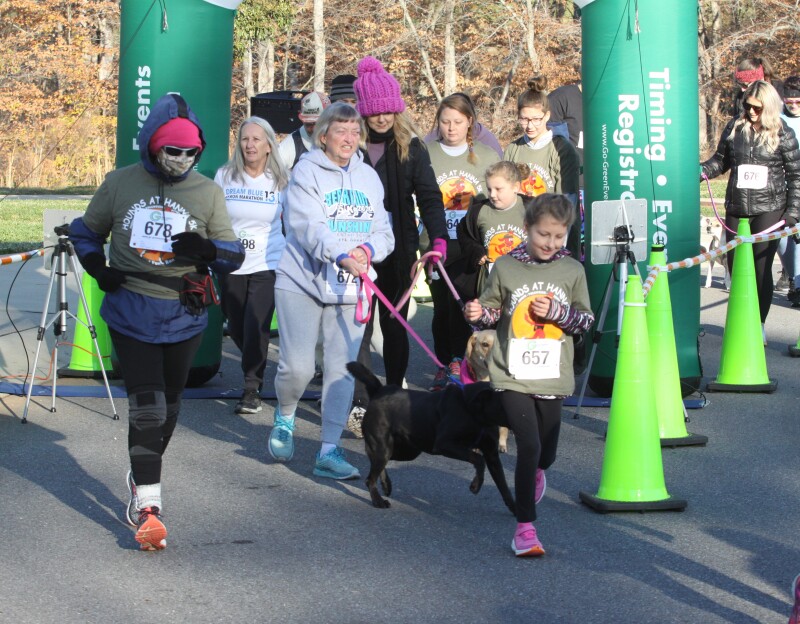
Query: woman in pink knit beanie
(403, 165)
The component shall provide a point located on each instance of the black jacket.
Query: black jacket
(782, 192)
(420, 182)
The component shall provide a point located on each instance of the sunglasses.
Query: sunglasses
(752, 107)
(792, 102)
(180, 151)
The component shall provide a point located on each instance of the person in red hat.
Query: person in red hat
(169, 225)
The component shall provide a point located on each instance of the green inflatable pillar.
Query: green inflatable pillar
(185, 47)
(641, 138)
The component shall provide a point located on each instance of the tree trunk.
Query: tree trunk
(507, 86)
(247, 74)
(709, 30)
(286, 50)
(319, 46)
(450, 76)
(530, 35)
(266, 65)
(423, 51)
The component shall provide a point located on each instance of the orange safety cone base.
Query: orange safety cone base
(691, 439)
(768, 388)
(601, 505)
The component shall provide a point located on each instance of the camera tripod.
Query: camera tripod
(622, 239)
(63, 252)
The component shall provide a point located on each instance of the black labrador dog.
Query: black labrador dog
(400, 424)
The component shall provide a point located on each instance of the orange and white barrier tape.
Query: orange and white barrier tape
(707, 256)
(20, 257)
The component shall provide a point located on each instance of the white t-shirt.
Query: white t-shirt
(255, 210)
(287, 150)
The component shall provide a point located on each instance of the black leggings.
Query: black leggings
(154, 375)
(763, 253)
(536, 424)
(395, 336)
(450, 331)
(248, 302)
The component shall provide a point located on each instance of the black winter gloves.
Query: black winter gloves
(194, 247)
(107, 278)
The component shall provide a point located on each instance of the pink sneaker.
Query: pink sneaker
(795, 617)
(541, 485)
(525, 542)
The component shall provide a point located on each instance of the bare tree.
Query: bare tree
(319, 46)
(422, 49)
(265, 52)
(527, 22)
(450, 76)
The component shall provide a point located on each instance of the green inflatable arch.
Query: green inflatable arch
(641, 140)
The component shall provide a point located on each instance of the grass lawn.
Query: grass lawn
(21, 221)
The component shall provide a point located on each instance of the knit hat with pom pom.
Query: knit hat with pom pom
(377, 91)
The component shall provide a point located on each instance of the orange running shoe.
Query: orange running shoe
(152, 534)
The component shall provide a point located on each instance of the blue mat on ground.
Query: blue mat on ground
(118, 392)
(63, 390)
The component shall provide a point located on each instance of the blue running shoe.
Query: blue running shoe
(281, 442)
(334, 466)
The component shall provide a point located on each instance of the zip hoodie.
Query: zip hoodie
(328, 212)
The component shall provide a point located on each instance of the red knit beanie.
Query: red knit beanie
(177, 132)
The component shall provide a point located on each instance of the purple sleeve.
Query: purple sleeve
(489, 318)
(571, 320)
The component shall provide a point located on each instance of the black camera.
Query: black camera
(62, 230)
(623, 234)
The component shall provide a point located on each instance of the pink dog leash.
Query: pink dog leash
(416, 272)
(370, 287)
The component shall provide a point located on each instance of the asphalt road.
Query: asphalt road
(254, 541)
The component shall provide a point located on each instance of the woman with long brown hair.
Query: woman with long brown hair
(459, 163)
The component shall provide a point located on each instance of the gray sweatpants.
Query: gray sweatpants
(300, 320)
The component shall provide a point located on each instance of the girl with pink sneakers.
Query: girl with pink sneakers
(536, 297)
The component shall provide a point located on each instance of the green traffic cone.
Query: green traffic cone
(632, 477)
(794, 350)
(273, 328)
(743, 364)
(83, 361)
(664, 361)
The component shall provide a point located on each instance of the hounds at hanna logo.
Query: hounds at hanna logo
(538, 182)
(458, 188)
(153, 256)
(501, 239)
(349, 211)
(523, 323)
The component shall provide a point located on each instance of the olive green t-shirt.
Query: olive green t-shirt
(460, 180)
(511, 287)
(501, 230)
(131, 194)
(555, 167)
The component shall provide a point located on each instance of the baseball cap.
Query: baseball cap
(312, 105)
